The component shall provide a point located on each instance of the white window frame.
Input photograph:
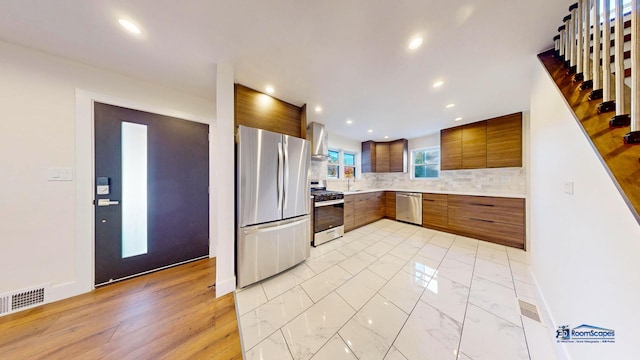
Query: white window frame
(341, 165)
(413, 164)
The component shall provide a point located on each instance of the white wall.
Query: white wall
(584, 247)
(37, 131)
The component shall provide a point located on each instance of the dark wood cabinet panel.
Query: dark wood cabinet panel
(451, 149)
(434, 211)
(368, 156)
(390, 205)
(382, 157)
(504, 141)
(359, 215)
(277, 116)
(398, 155)
(499, 220)
(385, 156)
(491, 143)
(474, 145)
(375, 206)
(349, 212)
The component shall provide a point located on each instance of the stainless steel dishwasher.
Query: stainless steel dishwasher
(409, 207)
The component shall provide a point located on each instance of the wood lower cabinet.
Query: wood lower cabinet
(349, 213)
(499, 220)
(375, 206)
(434, 211)
(362, 209)
(390, 205)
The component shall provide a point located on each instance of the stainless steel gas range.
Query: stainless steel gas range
(328, 213)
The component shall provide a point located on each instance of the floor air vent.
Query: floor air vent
(529, 310)
(19, 300)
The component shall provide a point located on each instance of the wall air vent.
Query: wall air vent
(23, 299)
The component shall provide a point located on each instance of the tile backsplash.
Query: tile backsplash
(498, 180)
(502, 180)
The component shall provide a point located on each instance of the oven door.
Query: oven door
(328, 214)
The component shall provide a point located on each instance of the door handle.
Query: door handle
(107, 202)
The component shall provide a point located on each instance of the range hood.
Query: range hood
(319, 139)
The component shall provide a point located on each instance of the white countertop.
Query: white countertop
(470, 193)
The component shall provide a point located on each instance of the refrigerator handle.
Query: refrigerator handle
(279, 190)
(286, 174)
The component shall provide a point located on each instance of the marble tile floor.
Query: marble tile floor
(396, 291)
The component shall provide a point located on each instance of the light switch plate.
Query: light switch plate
(568, 187)
(59, 174)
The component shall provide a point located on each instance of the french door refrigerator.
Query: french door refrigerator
(273, 203)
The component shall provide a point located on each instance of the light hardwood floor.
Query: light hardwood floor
(169, 314)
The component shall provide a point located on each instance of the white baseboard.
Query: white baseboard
(225, 286)
(67, 290)
(543, 306)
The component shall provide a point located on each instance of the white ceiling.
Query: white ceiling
(349, 56)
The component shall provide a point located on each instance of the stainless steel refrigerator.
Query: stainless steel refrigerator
(273, 203)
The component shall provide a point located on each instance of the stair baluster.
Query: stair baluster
(587, 83)
(607, 101)
(597, 86)
(568, 53)
(563, 42)
(620, 119)
(633, 137)
(576, 10)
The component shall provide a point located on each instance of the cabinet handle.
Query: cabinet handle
(483, 220)
(427, 199)
(478, 204)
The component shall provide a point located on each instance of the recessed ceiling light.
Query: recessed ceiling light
(386, 137)
(458, 119)
(437, 84)
(129, 26)
(370, 130)
(449, 106)
(269, 89)
(349, 121)
(415, 43)
(318, 109)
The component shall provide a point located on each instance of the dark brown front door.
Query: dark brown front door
(151, 191)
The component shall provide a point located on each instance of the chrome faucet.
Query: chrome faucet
(349, 183)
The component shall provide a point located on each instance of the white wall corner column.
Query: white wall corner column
(222, 181)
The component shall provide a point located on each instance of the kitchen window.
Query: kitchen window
(425, 163)
(341, 164)
(349, 161)
(333, 168)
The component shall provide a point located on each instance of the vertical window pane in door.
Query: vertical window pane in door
(134, 189)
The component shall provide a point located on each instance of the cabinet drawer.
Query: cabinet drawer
(501, 210)
(506, 234)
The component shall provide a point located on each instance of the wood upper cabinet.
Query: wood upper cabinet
(504, 141)
(382, 157)
(491, 143)
(385, 156)
(398, 155)
(390, 205)
(451, 148)
(369, 156)
(474, 145)
(278, 116)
